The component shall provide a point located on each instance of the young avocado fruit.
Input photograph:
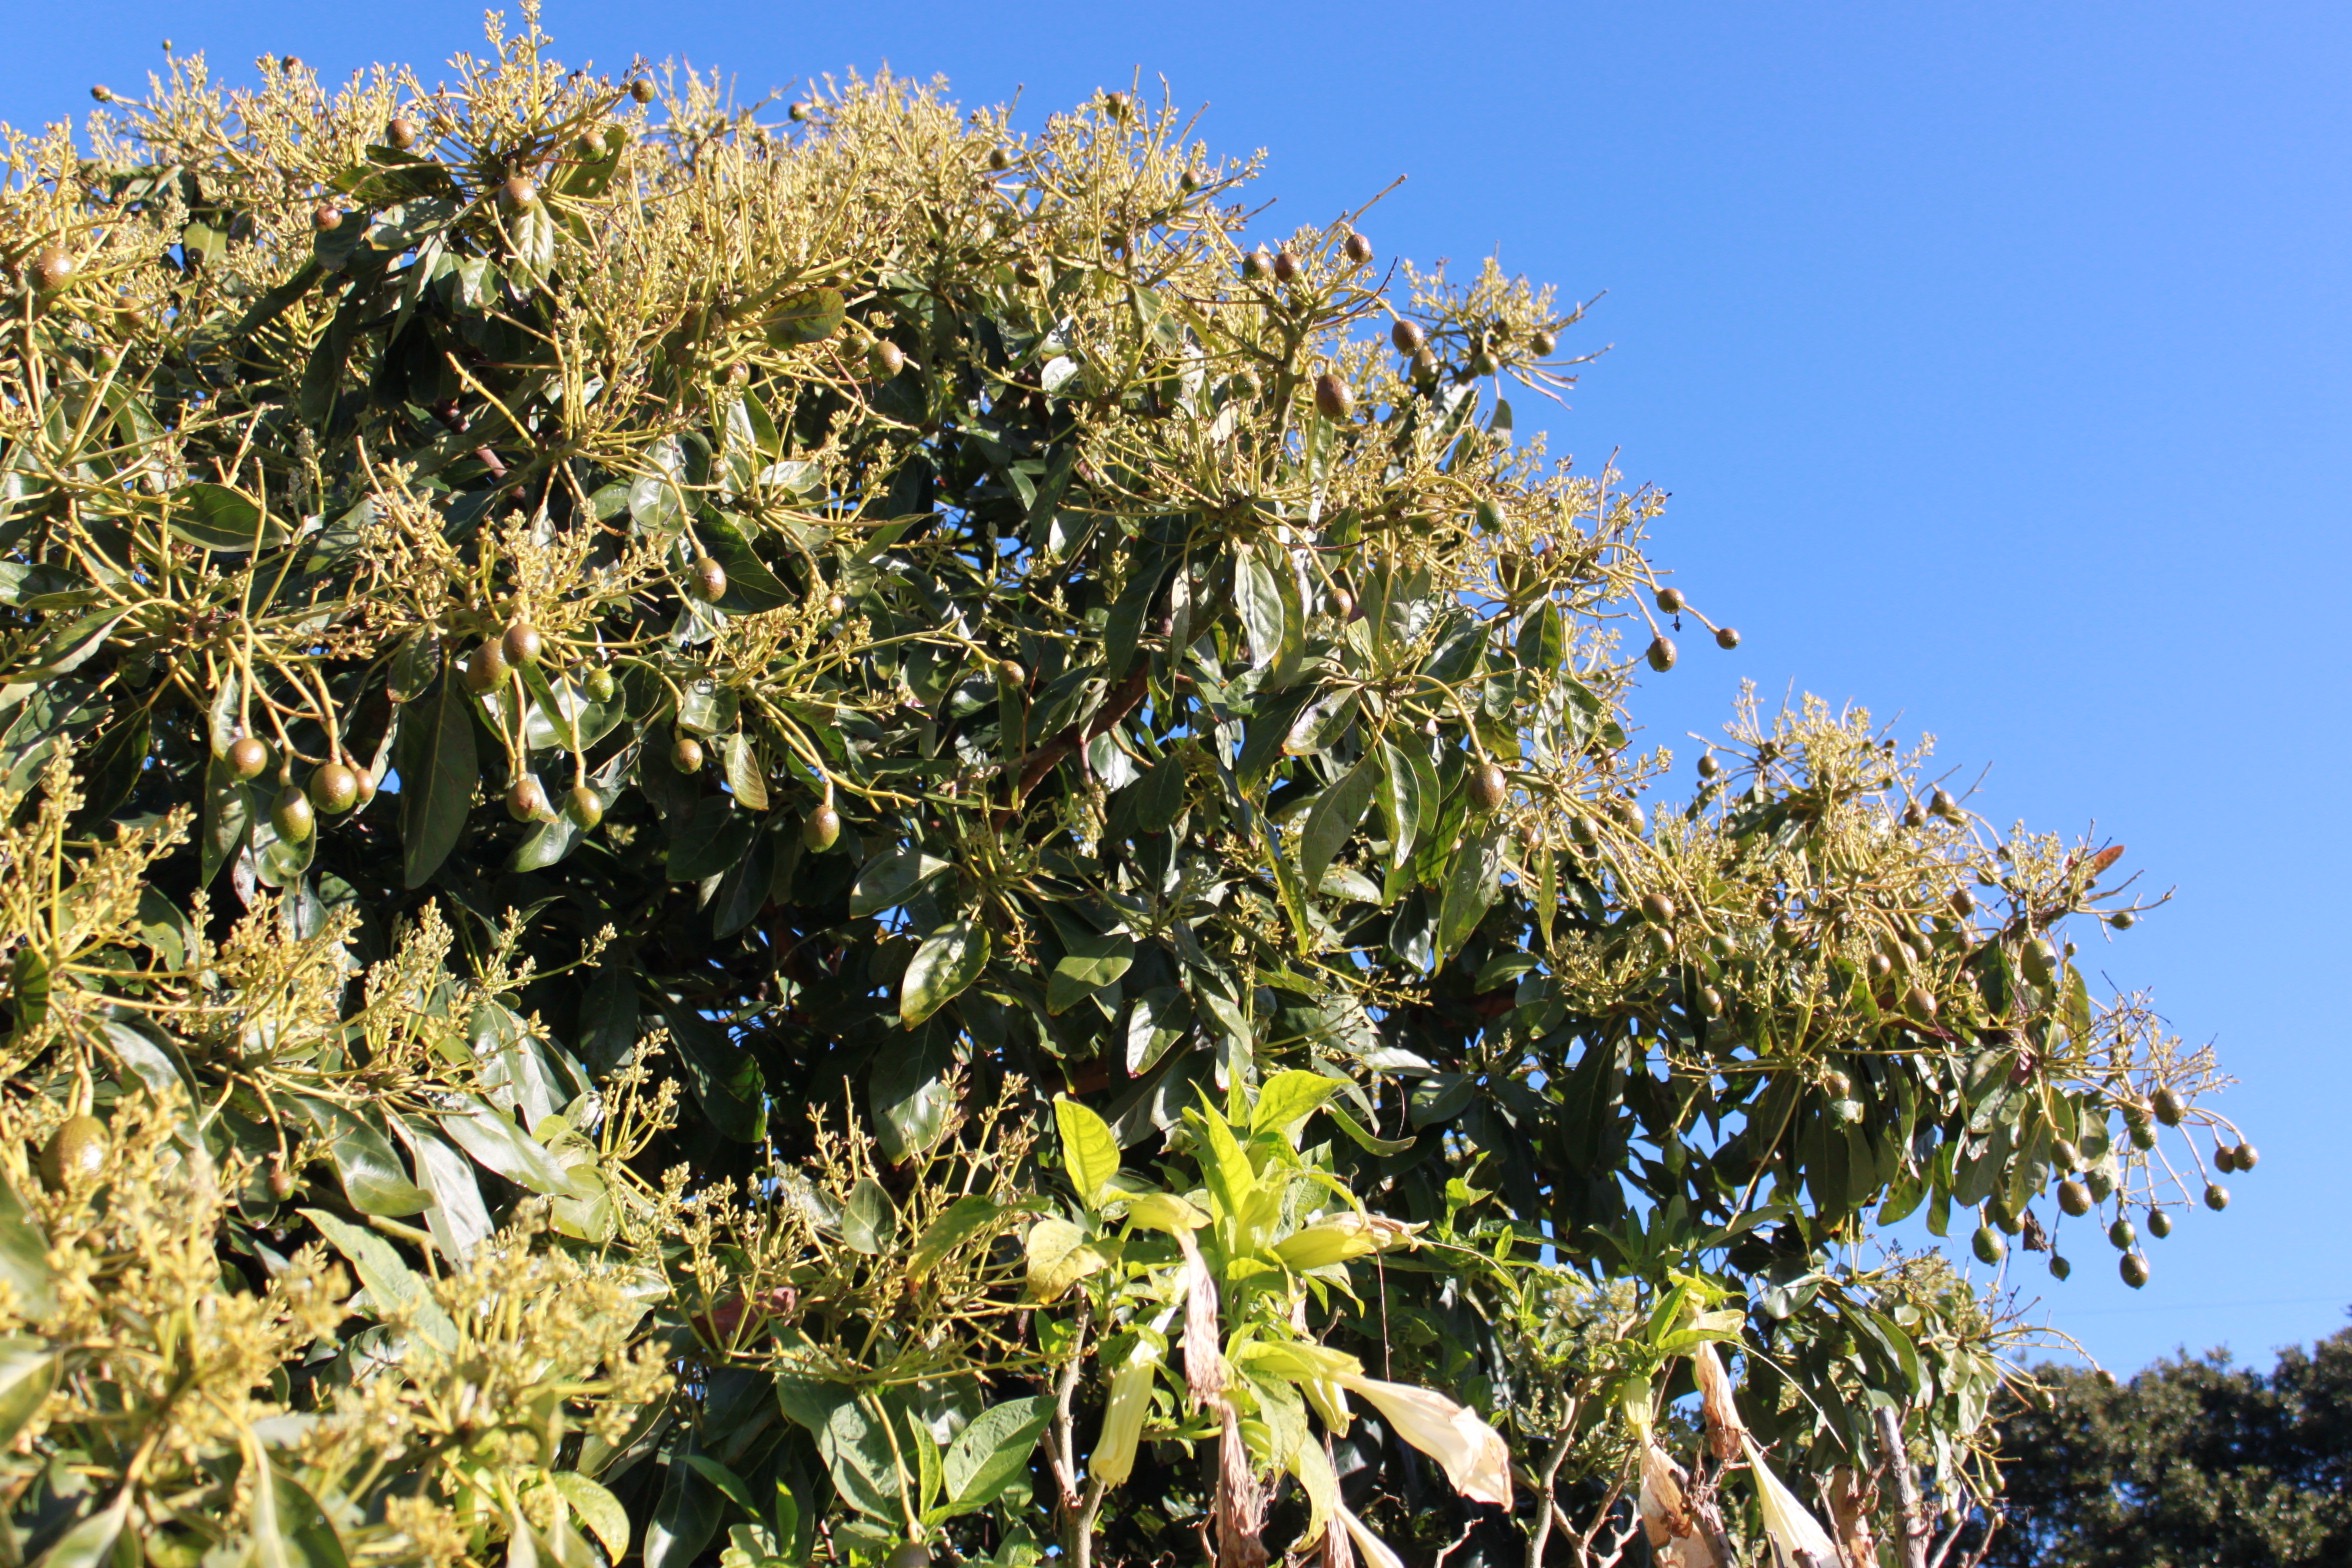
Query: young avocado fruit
(2244, 1156)
(2166, 1104)
(1488, 786)
(1356, 248)
(522, 644)
(1708, 766)
(686, 753)
(2074, 1198)
(1727, 637)
(2134, 1269)
(641, 91)
(518, 193)
(1544, 343)
(248, 756)
(75, 1152)
(2121, 1234)
(823, 828)
(292, 815)
(2159, 1224)
(1658, 909)
(584, 806)
(334, 788)
(706, 579)
(401, 132)
(488, 670)
(2059, 1267)
(1407, 336)
(2216, 1196)
(1285, 265)
(326, 217)
(1334, 399)
(908, 1554)
(598, 684)
(1661, 654)
(1671, 601)
(885, 359)
(526, 799)
(1011, 673)
(1920, 1002)
(1989, 1245)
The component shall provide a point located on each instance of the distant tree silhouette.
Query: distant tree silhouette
(2194, 1463)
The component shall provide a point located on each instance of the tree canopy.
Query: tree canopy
(822, 830)
(2192, 1461)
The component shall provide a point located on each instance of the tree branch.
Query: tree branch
(1912, 1529)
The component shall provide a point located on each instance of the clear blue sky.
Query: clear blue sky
(1998, 357)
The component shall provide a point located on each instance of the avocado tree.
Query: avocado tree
(819, 831)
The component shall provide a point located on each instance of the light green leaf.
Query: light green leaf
(1224, 1166)
(1288, 1098)
(1089, 1153)
(394, 1289)
(28, 1371)
(1164, 1211)
(1400, 802)
(811, 317)
(1264, 608)
(24, 1258)
(496, 1143)
(740, 759)
(598, 1509)
(869, 1218)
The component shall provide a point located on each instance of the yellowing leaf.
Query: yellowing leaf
(1089, 1153)
(1059, 1257)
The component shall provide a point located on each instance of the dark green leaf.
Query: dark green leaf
(437, 777)
(724, 1076)
(994, 1449)
(1334, 817)
(949, 960)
